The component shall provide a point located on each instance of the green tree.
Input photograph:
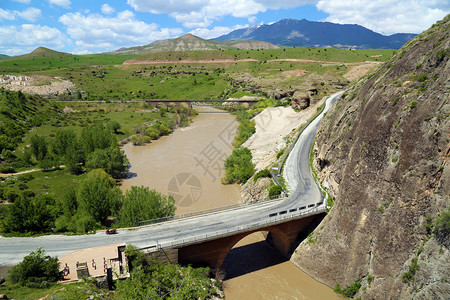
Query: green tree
(166, 281)
(39, 147)
(64, 140)
(114, 126)
(238, 166)
(36, 270)
(34, 215)
(112, 160)
(98, 199)
(73, 159)
(96, 137)
(141, 203)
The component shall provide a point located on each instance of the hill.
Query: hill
(303, 33)
(189, 42)
(383, 153)
(3, 56)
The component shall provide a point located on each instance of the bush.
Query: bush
(238, 166)
(36, 270)
(413, 267)
(261, 174)
(25, 177)
(442, 227)
(349, 291)
(275, 190)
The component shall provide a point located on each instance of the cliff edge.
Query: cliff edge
(383, 152)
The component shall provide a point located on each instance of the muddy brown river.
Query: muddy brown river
(188, 165)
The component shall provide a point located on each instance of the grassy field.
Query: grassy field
(104, 77)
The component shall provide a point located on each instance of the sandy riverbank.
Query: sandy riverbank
(273, 124)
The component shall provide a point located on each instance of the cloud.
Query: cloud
(94, 32)
(215, 32)
(21, 39)
(107, 9)
(62, 3)
(386, 16)
(6, 15)
(199, 13)
(30, 14)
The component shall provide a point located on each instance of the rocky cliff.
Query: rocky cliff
(383, 154)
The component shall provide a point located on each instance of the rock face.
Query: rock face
(383, 152)
(300, 100)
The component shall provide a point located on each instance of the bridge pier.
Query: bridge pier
(282, 236)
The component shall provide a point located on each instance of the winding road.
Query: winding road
(305, 199)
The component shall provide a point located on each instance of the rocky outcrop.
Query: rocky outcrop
(300, 100)
(383, 152)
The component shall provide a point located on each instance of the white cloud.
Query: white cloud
(107, 9)
(94, 32)
(199, 13)
(284, 4)
(386, 16)
(62, 3)
(215, 32)
(6, 15)
(30, 14)
(21, 39)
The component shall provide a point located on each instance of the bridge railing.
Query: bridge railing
(208, 211)
(244, 228)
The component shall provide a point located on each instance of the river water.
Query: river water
(188, 165)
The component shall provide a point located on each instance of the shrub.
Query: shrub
(349, 291)
(238, 166)
(413, 267)
(275, 190)
(261, 174)
(442, 226)
(36, 270)
(25, 177)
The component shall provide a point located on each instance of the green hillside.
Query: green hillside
(177, 75)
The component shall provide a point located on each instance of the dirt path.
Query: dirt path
(18, 173)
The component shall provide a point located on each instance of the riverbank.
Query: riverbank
(274, 126)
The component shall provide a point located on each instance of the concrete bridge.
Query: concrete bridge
(203, 102)
(283, 234)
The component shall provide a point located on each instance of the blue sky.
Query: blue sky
(92, 26)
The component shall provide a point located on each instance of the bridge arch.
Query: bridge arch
(213, 252)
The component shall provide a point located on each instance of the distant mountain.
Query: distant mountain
(303, 33)
(43, 52)
(192, 42)
(4, 56)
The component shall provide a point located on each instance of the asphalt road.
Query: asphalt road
(303, 193)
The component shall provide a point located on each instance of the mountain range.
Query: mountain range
(304, 33)
(191, 42)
